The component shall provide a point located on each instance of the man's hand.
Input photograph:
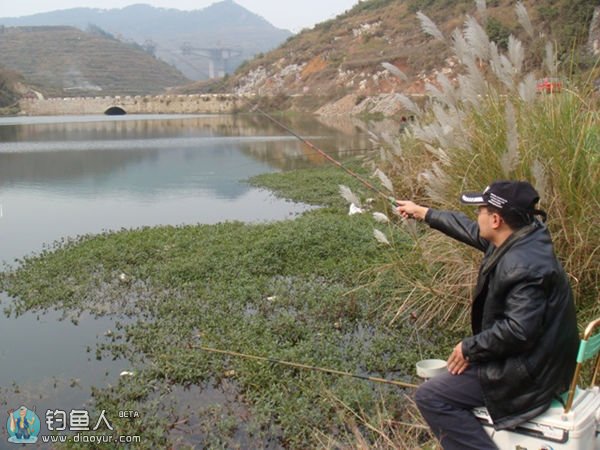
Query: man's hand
(457, 363)
(408, 209)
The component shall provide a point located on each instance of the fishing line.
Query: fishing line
(328, 157)
(303, 157)
(305, 366)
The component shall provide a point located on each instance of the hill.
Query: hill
(65, 61)
(341, 60)
(202, 44)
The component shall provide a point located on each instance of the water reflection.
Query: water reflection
(138, 167)
(116, 153)
(49, 362)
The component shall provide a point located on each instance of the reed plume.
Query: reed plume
(523, 18)
(429, 27)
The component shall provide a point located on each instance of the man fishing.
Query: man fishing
(522, 352)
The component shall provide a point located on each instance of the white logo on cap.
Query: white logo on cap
(497, 201)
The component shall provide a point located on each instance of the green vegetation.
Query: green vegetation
(302, 290)
(498, 32)
(324, 184)
(569, 22)
(430, 5)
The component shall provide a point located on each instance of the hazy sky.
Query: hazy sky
(292, 15)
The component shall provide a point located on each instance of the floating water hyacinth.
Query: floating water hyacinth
(381, 237)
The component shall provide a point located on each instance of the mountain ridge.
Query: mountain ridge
(180, 38)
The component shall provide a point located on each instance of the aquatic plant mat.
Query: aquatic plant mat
(303, 290)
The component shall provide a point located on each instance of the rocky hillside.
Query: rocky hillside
(65, 61)
(341, 62)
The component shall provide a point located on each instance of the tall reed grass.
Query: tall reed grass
(490, 122)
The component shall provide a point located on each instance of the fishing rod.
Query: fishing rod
(324, 154)
(305, 366)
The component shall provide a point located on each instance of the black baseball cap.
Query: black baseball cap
(505, 195)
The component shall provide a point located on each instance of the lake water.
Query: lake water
(66, 176)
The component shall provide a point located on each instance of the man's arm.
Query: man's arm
(13, 425)
(456, 225)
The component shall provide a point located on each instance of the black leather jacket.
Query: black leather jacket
(525, 337)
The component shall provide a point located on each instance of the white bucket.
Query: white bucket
(429, 368)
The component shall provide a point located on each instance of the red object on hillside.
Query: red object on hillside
(549, 85)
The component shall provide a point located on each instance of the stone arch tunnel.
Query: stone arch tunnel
(115, 111)
(157, 104)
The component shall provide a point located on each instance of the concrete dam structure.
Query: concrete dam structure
(160, 104)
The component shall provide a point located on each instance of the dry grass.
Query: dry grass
(387, 430)
(486, 124)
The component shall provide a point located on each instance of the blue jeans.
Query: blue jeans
(22, 433)
(446, 401)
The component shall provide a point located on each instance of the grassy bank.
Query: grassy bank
(302, 290)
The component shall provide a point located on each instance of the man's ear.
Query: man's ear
(497, 220)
